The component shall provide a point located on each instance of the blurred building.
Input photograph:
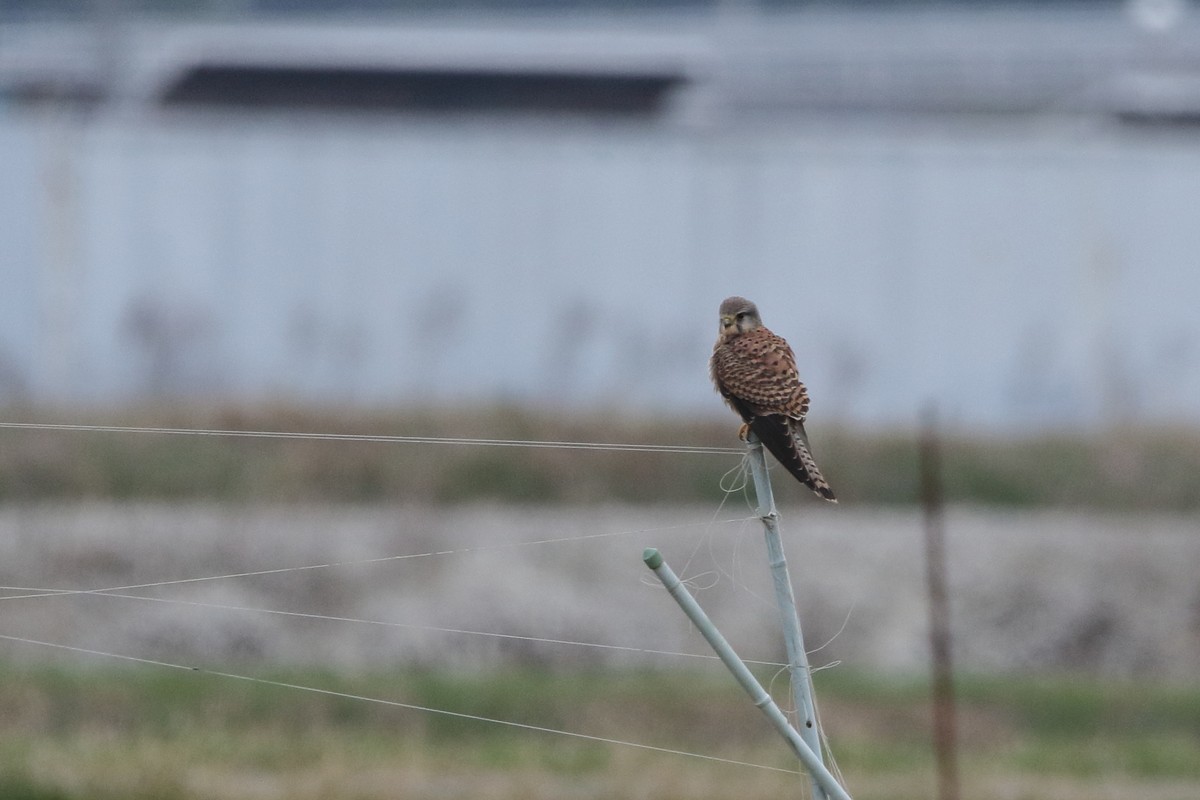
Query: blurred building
(987, 205)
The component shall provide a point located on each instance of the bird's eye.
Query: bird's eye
(741, 315)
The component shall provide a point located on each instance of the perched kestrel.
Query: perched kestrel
(755, 371)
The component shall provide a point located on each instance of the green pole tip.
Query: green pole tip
(652, 557)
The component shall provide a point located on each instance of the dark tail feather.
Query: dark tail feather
(787, 441)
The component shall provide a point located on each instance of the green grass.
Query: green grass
(1130, 470)
(75, 732)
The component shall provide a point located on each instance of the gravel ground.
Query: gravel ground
(1031, 591)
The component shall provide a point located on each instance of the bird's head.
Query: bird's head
(738, 315)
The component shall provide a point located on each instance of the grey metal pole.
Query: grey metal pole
(821, 776)
(798, 669)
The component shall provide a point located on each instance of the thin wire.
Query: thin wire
(378, 438)
(713, 519)
(386, 624)
(355, 562)
(396, 704)
(736, 480)
(359, 437)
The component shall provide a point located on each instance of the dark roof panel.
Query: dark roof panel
(419, 89)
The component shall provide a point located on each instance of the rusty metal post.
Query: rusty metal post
(945, 736)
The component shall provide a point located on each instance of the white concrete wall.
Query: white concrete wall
(1032, 275)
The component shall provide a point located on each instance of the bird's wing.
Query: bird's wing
(759, 369)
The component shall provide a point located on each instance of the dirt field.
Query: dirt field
(1076, 637)
(1032, 592)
